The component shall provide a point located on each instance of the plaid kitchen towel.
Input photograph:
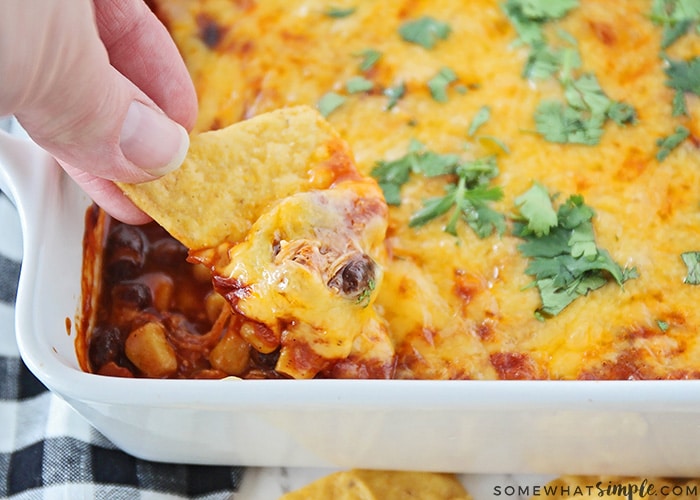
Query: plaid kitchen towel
(48, 451)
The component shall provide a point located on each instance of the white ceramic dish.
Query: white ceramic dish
(481, 427)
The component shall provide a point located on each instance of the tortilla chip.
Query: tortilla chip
(359, 484)
(232, 175)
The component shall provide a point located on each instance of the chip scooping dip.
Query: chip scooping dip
(293, 235)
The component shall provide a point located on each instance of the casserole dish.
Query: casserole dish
(552, 427)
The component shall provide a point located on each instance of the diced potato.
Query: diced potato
(231, 354)
(148, 348)
(213, 304)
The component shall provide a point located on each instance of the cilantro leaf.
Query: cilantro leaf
(622, 113)
(528, 16)
(358, 84)
(339, 12)
(544, 10)
(391, 175)
(471, 205)
(564, 261)
(546, 61)
(426, 31)
(329, 102)
(684, 76)
(679, 107)
(692, 263)
(676, 17)
(582, 118)
(467, 199)
(370, 57)
(669, 143)
(481, 117)
(439, 83)
(394, 94)
(536, 208)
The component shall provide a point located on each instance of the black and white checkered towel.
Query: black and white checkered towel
(48, 451)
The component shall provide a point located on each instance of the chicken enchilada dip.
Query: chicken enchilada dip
(539, 164)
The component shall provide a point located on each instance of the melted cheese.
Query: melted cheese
(459, 307)
(307, 271)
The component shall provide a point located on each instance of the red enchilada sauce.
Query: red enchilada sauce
(147, 285)
(157, 315)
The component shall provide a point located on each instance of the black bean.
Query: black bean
(106, 344)
(127, 247)
(168, 252)
(264, 361)
(131, 295)
(354, 277)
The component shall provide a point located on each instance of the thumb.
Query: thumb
(76, 105)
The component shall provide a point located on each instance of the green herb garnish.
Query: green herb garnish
(470, 204)
(564, 259)
(426, 31)
(370, 57)
(394, 94)
(329, 102)
(683, 77)
(529, 16)
(677, 18)
(581, 118)
(364, 298)
(669, 143)
(358, 84)
(339, 12)
(692, 263)
(481, 117)
(468, 197)
(439, 83)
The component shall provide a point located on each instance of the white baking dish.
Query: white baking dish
(644, 428)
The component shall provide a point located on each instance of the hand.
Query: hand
(100, 86)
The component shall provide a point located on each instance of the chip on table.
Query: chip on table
(361, 484)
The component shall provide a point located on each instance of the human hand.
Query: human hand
(100, 86)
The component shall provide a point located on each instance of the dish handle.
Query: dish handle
(24, 169)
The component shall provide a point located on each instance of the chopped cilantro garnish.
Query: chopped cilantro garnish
(663, 325)
(365, 296)
(669, 143)
(370, 57)
(329, 102)
(684, 76)
(394, 94)
(426, 31)
(468, 197)
(439, 83)
(586, 108)
(536, 208)
(391, 175)
(582, 118)
(564, 259)
(545, 62)
(692, 263)
(480, 118)
(676, 17)
(358, 84)
(565, 124)
(339, 12)
(528, 16)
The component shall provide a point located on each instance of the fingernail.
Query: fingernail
(152, 141)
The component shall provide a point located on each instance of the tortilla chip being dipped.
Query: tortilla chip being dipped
(294, 237)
